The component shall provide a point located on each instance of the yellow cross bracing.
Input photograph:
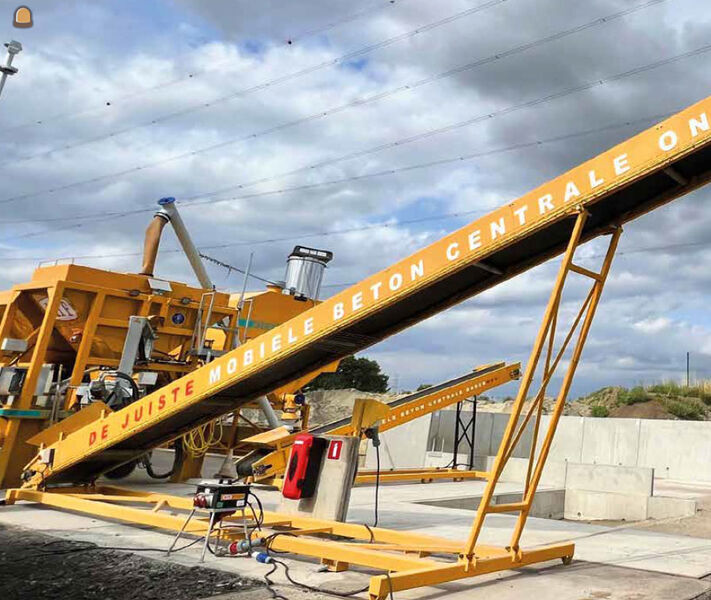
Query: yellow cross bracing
(399, 412)
(594, 199)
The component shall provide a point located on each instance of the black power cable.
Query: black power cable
(377, 483)
(321, 590)
(372, 434)
(177, 462)
(270, 583)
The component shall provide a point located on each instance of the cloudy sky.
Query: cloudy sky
(279, 122)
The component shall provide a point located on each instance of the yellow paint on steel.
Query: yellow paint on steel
(422, 475)
(443, 398)
(402, 554)
(649, 152)
(273, 464)
(381, 586)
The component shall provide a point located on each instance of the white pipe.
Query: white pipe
(169, 209)
(269, 413)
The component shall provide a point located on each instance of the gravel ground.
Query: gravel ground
(40, 567)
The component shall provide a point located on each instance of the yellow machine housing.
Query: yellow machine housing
(86, 332)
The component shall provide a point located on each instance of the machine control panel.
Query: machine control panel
(220, 497)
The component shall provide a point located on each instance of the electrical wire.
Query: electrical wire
(193, 74)
(380, 147)
(178, 457)
(265, 85)
(366, 100)
(269, 583)
(233, 268)
(198, 441)
(260, 522)
(354, 178)
(313, 588)
(377, 483)
(347, 284)
(429, 133)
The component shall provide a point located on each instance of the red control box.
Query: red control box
(304, 465)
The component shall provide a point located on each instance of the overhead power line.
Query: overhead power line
(353, 178)
(460, 124)
(618, 253)
(229, 268)
(334, 232)
(196, 73)
(363, 101)
(262, 86)
(336, 285)
(382, 225)
(393, 144)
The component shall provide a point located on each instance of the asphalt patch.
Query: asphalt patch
(34, 566)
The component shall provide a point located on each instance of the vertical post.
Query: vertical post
(9, 316)
(526, 382)
(455, 450)
(473, 425)
(687, 369)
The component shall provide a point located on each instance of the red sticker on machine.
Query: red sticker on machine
(334, 450)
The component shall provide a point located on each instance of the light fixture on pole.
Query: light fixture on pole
(13, 48)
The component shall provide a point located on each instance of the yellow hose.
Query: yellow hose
(198, 441)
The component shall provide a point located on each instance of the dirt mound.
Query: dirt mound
(505, 406)
(659, 401)
(331, 405)
(653, 409)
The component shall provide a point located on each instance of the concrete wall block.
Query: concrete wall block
(610, 441)
(662, 507)
(610, 478)
(441, 433)
(484, 426)
(568, 439)
(547, 504)
(589, 505)
(554, 473)
(443, 459)
(676, 449)
(523, 448)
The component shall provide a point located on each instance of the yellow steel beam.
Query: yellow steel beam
(439, 398)
(400, 554)
(430, 280)
(381, 586)
(442, 398)
(15, 452)
(422, 475)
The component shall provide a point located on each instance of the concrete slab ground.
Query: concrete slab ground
(611, 562)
